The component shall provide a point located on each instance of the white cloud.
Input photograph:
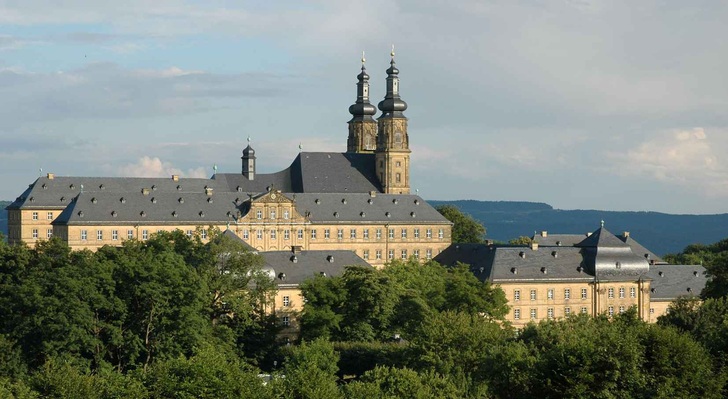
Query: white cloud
(688, 158)
(148, 166)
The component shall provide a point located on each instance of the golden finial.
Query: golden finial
(363, 60)
(392, 53)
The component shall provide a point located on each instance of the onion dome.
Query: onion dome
(392, 105)
(248, 151)
(362, 109)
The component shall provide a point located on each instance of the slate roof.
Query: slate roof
(155, 207)
(59, 191)
(672, 281)
(558, 240)
(308, 264)
(313, 172)
(610, 258)
(362, 208)
(478, 256)
(544, 264)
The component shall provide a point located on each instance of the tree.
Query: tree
(310, 372)
(715, 259)
(521, 241)
(389, 382)
(465, 228)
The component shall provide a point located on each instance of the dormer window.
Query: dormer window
(113, 213)
(143, 214)
(181, 200)
(154, 200)
(93, 200)
(343, 201)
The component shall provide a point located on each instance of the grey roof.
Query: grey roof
(543, 264)
(672, 281)
(319, 172)
(59, 191)
(610, 258)
(478, 256)
(281, 265)
(155, 207)
(362, 208)
(565, 240)
(231, 235)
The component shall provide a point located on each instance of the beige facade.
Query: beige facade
(536, 301)
(31, 225)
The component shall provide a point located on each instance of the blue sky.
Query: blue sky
(582, 104)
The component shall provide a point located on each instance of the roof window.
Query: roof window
(113, 213)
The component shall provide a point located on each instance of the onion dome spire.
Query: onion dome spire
(392, 105)
(362, 109)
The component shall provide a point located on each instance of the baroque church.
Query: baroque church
(328, 210)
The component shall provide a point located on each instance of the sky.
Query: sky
(612, 105)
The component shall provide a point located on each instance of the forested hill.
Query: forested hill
(4, 217)
(660, 232)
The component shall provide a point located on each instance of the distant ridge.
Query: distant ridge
(4, 218)
(660, 232)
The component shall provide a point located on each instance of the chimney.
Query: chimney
(296, 249)
(51, 176)
(626, 234)
(534, 246)
(175, 177)
(372, 194)
(544, 233)
(145, 191)
(208, 191)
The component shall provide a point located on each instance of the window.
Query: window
(621, 309)
(273, 214)
(259, 234)
(259, 214)
(391, 254)
(145, 234)
(286, 321)
(398, 177)
(611, 311)
(391, 233)
(285, 214)
(352, 234)
(130, 234)
(567, 311)
(378, 254)
(583, 293)
(652, 310)
(286, 234)
(84, 235)
(440, 233)
(632, 292)
(416, 253)
(550, 293)
(340, 234)
(610, 293)
(429, 253)
(567, 294)
(533, 295)
(49, 233)
(313, 234)
(584, 310)
(366, 254)
(99, 235)
(300, 234)
(621, 292)
(516, 314)
(404, 233)
(417, 233)
(35, 215)
(379, 234)
(366, 234)
(516, 295)
(286, 300)
(273, 234)
(404, 254)
(550, 313)
(189, 233)
(49, 216)
(533, 314)
(114, 235)
(327, 233)
(204, 234)
(399, 164)
(246, 234)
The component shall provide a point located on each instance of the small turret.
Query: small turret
(362, 127)
(248, 162)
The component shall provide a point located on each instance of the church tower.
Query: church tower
(248, 159)
(392, 155)
(362, 127)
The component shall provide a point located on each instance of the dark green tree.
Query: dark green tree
(465, 228)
